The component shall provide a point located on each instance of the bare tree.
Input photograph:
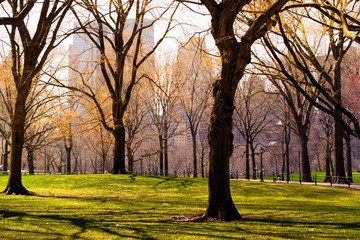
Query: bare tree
(135, 126)
(301, 111)
(29, 52)
(121, 44)
(326, 81)
(326, 123)
(38, 127)
(196, 68)
(252, 116)
(19, 15)
(235, 57)
(65, 117)
(163, 105)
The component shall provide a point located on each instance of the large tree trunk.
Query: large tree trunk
(287, 153)
(253, 159)
(161, 155)
(327, 167)
(235, 56)
(305, 161)
(247, 159)
(283, 166)
(220, 136)
(68, 159)
(15, 185)
(348, 156)
(287, 158)
(166, 156)
(202, 165)
(103, 162)
(130, 158)
(6, 154)
(119, 151)
(340, 176)
(30, 160)
(76, 165)
(328, 163)
(193, 136)
(220, 140)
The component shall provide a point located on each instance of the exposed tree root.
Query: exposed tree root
(19, 190)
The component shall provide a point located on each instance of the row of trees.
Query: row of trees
(304, 68)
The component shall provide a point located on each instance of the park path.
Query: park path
(325, 184)
(355, 186)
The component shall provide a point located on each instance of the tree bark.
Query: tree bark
(220, 140)
(166, 155)
(161, 155)
(235, 56)
(193, 136)
(220, 135)
(328, 164)
(68, 159)
(348, 156)
(247, 159)
(287, 133)
(305, 161)
(130, 158)
(30, 160)
(119, 151)
(287, 159)
(253, 159)
(340, 176)
(6, 154)
(202, 156)
(103, 162)
(76, 165)
(327, 167)
(15, 185)
(283, 166)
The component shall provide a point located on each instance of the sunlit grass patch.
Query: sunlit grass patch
(142, 207)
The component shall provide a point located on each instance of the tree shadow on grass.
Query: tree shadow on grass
(101, 199)
(179, 183)
(267, 227)
(301, 228)
(297, 221)
(79, 222)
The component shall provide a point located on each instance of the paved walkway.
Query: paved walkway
(354, 186)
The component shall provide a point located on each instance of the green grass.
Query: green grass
(139, 207)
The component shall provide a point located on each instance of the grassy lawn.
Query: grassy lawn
(139, 207)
